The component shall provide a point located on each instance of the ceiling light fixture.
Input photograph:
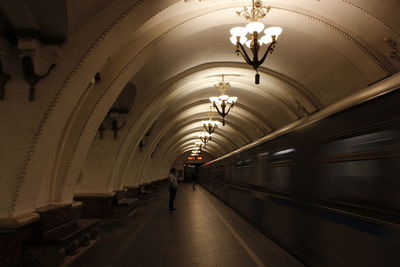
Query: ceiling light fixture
(223, 100)
(255, 40)
(210, 125)
(205, 138)
(199, 145)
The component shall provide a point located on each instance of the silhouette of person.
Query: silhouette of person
(173, 188)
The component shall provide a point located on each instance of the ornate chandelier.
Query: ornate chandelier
(210, 125)
(223, 100)
(204, 138)
(255, 40)
(195, 153)
(199, 145)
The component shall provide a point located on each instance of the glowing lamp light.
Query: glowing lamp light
(274, 32)
(254, 27)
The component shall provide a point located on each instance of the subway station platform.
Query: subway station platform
(203, 231)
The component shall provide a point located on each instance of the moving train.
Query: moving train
(326, 188)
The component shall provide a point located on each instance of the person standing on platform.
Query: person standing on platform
(194, 180)
(173, 187)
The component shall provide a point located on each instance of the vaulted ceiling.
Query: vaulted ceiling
(172, 53)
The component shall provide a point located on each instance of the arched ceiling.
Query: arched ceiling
(173, 52)
(328, 50)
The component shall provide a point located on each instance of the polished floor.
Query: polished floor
(201, 232)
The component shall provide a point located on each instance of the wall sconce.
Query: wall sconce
(116, 116)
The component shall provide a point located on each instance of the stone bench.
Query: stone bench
(58, 234)
(124, 204)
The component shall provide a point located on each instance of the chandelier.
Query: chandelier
(204, 138)
(199, 145)
(195, 153)
(223, 100)
(210, 125)
(255, 40)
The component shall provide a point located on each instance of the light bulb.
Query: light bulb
(273, 31)
(266, 39)
(238, 31)
(242, 40)
(214, 99)
(223, 97)
(232, 99)
(255, 27)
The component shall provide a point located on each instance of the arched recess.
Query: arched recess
(104, 146)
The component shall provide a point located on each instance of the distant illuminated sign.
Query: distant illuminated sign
(194, 158)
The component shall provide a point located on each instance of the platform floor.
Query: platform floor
(202, 232)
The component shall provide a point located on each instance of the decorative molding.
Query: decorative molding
(393, 29)
(394, 54)
(369, 53)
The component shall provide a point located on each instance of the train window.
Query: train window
(351, 181)
(284, 154)
(280, 168)
(279, 178)
(242, 171)
(260, 178)
(371, 141)
(241, 163)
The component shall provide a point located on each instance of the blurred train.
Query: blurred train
(326, 188)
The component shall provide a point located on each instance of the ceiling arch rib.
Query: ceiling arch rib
(220, 143)
(189, 133)
(240, 120)
(240, 115)
(190, 118)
